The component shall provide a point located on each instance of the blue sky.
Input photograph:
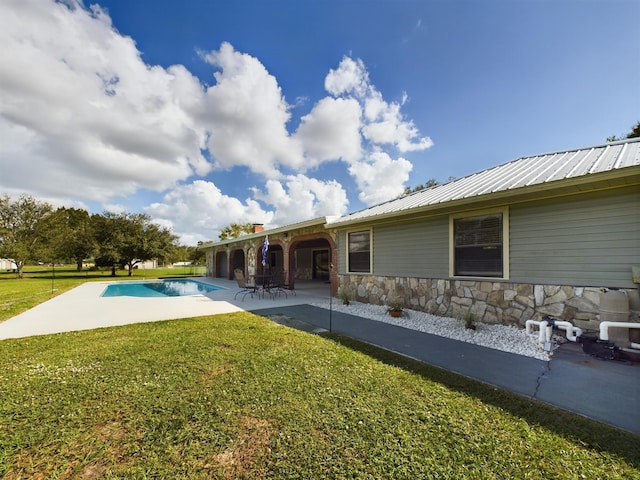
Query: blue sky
(203, 113)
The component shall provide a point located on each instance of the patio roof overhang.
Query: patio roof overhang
(315, 222)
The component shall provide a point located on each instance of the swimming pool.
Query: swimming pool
(159, 288)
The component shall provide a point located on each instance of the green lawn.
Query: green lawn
(237, 396)
(42, 283)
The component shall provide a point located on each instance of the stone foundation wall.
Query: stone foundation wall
(489, 302)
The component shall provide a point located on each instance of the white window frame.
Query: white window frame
(505, 241)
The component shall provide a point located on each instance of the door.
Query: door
(321, 264)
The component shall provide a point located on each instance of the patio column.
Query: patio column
(286, 264)
(333, 272)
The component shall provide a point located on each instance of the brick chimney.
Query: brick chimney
(258, 227)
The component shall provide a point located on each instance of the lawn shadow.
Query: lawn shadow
(595, 435)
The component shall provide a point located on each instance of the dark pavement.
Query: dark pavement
(606, 391)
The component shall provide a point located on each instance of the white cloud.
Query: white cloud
(79, 103)
(299, 198)
(82, 114)
(115, 208)
(199, 211)
(331, 131)
(380, 178)
(387, 126)
(246, 116)
(350, 78)
(389, 131)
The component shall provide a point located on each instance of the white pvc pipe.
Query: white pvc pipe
(542, 325)
(546, 330)
(529, 324)
(543, 334)
(570, 329)
(605, 326)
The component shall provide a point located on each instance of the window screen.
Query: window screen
(478, 246)
(360, 251)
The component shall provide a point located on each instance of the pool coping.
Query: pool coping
(159, 281)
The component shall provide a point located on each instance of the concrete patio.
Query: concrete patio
(82, 308)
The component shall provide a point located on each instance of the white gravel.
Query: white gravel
(500, 337)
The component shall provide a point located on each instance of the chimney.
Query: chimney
(258, 227)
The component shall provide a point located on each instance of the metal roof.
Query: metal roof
(287, 228)
(537, 170)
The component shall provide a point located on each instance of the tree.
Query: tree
(159, 243)
(197, 256)
(108, 237)
(430, 183)
(634, 133)
(72, 235)
(127, 239)
(235, 230)
(23, 233)
(194, 255)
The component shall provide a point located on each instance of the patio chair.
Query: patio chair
(279, 284)
(286, 285)
(246, 288)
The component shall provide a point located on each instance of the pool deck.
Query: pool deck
(82, 308)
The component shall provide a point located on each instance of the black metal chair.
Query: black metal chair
(246, 288)
(280, 284)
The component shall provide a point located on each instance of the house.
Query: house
(540, 235)
(147, 264)
(7, 264)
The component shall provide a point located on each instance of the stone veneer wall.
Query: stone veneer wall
(489, 302)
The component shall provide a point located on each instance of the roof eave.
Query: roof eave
(593, 182)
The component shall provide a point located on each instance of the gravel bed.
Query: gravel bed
(500, 337)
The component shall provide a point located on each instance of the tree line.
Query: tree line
(32, 231)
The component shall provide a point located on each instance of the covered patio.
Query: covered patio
(298, 253)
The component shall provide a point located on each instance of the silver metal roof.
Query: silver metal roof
(517, 174)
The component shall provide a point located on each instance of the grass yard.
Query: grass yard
(42, 283)
(237, 396)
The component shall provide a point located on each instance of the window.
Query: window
(479, 245)
(359, 248)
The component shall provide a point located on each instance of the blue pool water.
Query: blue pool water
(159, 288)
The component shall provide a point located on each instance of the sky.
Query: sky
(204, 113)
